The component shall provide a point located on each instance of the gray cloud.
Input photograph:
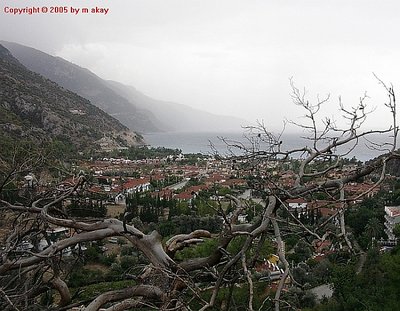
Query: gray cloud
(229, 56)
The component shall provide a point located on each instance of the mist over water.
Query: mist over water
(201, 143)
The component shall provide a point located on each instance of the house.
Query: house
(54, 235)
(234, 182)
(242, 219)
(297, 206)
(185, 196)
(322, 247)
(325, 208)
(24, 246)
(163, 194)
(120, 198)
(357, 189)
(392, 218)
(298, 203)
(196, 189)
(271, 268)
(58, 233)
(136, 185)
(214, 179)
(30, 181)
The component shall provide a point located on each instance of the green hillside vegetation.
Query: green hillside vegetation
(37, 111)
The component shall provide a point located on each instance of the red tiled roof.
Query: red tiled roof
(184, 196)
(132, 183)
(196, 188)
(324, 204)
(96, 189)
(394, 210)
(326, 212)
(157, 177)
(234, 181)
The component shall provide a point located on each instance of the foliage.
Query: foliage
(264, 252)
(81, 277)
(236, 297)
(204, 207)
(187, 224)
(146, 207)
(366, 219)
(377, 287)
(396, 231)
(94, 254)
(200, 250)
(302, 252)
(43, 114)
(300, 298)
(92, 290)
(128, 262)
(87, 207)
(127, 250)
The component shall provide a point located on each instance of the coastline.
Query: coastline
(200, 142)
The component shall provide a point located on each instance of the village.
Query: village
(179, 194)
(200, 187)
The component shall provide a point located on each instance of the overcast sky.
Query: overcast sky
(232, 57)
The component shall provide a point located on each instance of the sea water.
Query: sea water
(209, 142)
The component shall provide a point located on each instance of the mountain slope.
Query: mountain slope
(134, 109)
(181, 118)
(37, 110)
(86, 84)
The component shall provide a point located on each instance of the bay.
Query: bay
(202, 142)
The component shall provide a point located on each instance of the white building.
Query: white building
(392, 218)
(137, 185)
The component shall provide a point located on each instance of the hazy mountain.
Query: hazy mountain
(86, 84)
(134, 109)
(36, 110)
(180, 118)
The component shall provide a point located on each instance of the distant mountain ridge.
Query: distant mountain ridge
(86, 84)
(180, 118)
(132, 108)
(37, 110)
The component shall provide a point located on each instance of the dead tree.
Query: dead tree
(167, 283)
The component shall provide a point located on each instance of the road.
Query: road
(178, 185)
